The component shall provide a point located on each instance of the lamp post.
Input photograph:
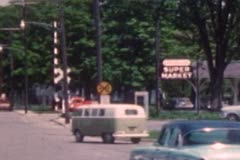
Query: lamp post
(61, 29)
(23, 27)
(24, 3)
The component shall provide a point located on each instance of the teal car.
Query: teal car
(194, 140)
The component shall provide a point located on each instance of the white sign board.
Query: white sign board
(176, 69)
(104, 99)
(141, 98)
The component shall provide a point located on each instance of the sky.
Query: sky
(3, 2)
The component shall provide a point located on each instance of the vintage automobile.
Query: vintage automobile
(5, 103)
(76, 102)
(110, 121)
(178, 103)
(231, 112)
(194, 140)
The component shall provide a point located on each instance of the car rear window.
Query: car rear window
(131, 112)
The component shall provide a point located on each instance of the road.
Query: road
(35, 137)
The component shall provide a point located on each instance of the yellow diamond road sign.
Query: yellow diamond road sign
(104, 88)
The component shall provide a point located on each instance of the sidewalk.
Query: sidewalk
(57, 119)
(54, 118)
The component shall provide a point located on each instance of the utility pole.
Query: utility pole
(197, 87)
(156, 16)
(64, 58)
(157, 52)
(98, 39)
(22, 25)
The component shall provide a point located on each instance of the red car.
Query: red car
(5, 103)
(77, 102)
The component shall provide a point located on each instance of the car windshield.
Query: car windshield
(212, 136)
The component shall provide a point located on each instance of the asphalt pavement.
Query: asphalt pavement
(38, 137)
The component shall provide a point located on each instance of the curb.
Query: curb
(60, 122)
(22, 112)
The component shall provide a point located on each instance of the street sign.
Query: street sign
(176, 69)
(105, 99)
(176, 62)
(58, 72)
(104, 88)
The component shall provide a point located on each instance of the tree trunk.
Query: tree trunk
(216, 92)
(87, 90)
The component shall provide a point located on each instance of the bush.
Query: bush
(183, 114)
(41, 109)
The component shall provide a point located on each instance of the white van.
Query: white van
(110, 121)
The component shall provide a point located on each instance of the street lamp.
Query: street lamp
(56, 29)
(61, 30)
(22, 24)
(1, 48)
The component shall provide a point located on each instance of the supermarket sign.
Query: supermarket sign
(176, 69)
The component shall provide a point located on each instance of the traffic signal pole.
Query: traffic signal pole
(64, 58)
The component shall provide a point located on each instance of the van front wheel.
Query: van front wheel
(108, 138)
(78, 136)
(135, 140)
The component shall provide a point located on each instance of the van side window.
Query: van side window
(79, 112)
(131, 112)
(87, 112)
(94, 112)
(102, 112)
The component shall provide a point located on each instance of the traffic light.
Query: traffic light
(22, 24)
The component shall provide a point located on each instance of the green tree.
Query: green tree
(215, 23)
(128, 42)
